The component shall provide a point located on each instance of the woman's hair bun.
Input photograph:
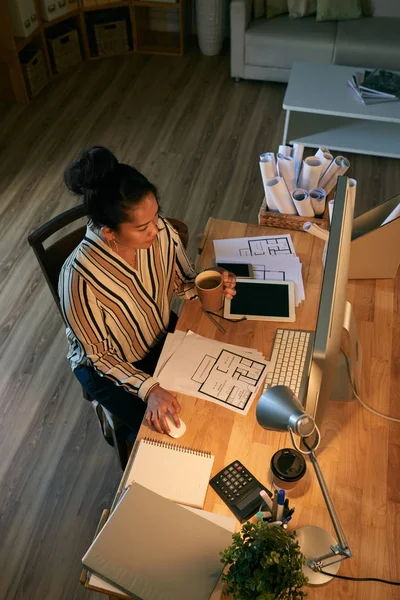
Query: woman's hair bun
(88, 170)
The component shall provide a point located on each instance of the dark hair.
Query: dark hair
(109, 188)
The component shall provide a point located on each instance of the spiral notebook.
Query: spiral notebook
(175, 472)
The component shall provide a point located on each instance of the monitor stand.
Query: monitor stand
(342, 389)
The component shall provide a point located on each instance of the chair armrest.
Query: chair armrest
(240, 19)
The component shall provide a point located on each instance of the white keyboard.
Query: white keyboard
(290, 359)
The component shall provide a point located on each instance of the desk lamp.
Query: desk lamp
(279, 410)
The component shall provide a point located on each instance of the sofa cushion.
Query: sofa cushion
(384, 8)
(280, 41)
(368, 42)
(339, 10)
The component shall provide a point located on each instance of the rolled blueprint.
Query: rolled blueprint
(268, 171)
(318, 200)
(302, 202)
(268, 159)
(330, 209)
(316, 230)
(321, 151)
(285, 150)
(279, 192)
(310, 173)
(286, 170)
(352, 190)
(341, 166)
(395, 214)
(326, 158)
(297, 154)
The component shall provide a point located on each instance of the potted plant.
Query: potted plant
(265, 563)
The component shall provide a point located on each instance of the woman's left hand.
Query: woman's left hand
(229, 284)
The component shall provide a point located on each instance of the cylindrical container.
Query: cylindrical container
(210, 21)
(288, 467)
(209, 285)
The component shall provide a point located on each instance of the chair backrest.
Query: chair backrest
(52, 258)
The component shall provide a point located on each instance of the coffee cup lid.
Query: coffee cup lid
(288, 464)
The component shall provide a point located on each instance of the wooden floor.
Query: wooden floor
(197, 135)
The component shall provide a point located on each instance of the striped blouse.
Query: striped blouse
(115, 314)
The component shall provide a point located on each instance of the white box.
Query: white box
(23, 17)
(52, 9)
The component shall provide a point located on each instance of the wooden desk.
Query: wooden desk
(359, 453)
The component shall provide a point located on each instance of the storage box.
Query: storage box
(23, 17)
(295, 222)
(112, 37)
(34, 70)
(52, 9)
(65, 49)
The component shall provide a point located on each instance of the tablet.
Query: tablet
(261, 300)
(238, 269)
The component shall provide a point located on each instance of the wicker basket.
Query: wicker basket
(112, 37)
(35, 72)
(65, 50)
(273, 219)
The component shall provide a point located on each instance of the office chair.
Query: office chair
(51, 258)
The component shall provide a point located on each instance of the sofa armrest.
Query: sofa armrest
(240, 19)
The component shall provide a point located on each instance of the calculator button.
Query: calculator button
(241, 478)
(249, 479)
(236, 464)
(226, 472)
(240, 468)
(230, 469)
(224, 479)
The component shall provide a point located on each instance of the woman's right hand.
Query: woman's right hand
(160, 402)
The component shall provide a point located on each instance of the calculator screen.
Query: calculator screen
(249, 498)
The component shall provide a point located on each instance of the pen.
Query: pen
(281, 502)
(213, 320)
(267, 500)
(287, 519)
(275, 504)
(289, 513)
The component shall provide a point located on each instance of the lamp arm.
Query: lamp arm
(342, 547)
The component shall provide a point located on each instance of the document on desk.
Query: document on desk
(272, 257)
(225, 374)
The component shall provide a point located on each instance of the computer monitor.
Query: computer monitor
(328, 371)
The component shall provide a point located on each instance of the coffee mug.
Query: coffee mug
(209, 285)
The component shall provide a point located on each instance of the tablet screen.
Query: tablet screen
(271, 300)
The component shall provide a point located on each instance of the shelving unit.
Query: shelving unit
(152, 28)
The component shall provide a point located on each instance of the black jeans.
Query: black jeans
(126, 406)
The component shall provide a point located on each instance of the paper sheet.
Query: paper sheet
(210, 370)
(395, 214)
(262, 245)
(272, 258)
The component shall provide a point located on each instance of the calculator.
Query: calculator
(239, 489)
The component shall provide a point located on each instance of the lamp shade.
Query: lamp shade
(278, 409)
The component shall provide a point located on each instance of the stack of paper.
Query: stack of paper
(222, 373)
(272, 257)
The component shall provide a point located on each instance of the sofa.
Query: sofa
(265, 49)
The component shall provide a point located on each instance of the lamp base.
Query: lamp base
(315, 542)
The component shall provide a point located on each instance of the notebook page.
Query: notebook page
(175, 472)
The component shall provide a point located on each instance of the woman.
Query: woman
(116, 289)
